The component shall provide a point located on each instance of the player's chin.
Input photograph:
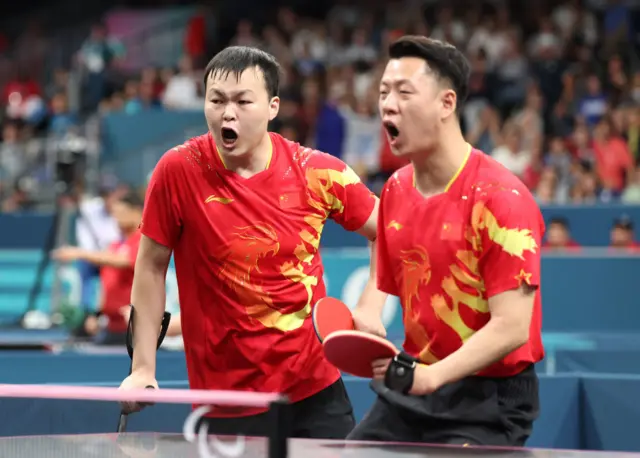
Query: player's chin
(230, 148)
(398, 149)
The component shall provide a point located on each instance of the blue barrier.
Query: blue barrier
(577, 412)
(129, 134)
(557, 426)
(581, 293)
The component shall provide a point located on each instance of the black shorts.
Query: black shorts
(327, 414)
(473, 411)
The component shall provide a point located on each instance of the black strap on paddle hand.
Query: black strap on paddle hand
(166, 319)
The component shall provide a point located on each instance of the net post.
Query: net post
(279, 416)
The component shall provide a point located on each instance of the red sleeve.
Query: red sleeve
(385, 278)
(162, 218)
(133, 244)
(511, 229)
(349, 200)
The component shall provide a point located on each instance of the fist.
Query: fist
(133, 382)
(369, 322)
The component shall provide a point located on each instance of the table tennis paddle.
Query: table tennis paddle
(330, 315)
(354, 351)
(164, 326)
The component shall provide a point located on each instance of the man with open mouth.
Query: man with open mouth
(459, 243)
(242, 211)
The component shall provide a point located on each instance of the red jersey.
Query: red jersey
(446, 255)
(247, 262)
(117, 281)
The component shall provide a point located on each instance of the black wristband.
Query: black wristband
(399, 375)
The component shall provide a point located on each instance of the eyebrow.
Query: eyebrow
(395, 82)
(239, 93)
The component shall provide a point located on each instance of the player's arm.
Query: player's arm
(506, 331)
(372, 299)
(161, 227)
(148, 296)
(97, 258)
(510, 267)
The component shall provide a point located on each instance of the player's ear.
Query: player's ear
(274, 107)
(449, 102)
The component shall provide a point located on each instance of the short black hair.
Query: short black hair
(623, 222)
(560, 221)
(236, 59)
(444, 60)
(132, 199)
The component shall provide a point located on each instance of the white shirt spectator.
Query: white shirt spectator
(517, 163)
(181, 93)
(95, 227)
(361, 143)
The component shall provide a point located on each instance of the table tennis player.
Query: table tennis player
(458, 242)
(116, 266)
(242, 210)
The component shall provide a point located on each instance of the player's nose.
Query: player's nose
(389, 104)
(229, 113)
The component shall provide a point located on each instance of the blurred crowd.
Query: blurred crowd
(554, 92)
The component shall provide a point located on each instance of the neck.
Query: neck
(435, 169)
(253, 161)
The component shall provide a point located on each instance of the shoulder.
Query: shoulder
(500, 191)
(189, 155)
(399, 182)
(307, 158)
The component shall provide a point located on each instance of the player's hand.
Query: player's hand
(135, 381)
(125, 312)
(379, 367)
(424, 381)
(370, 322)
(66, 254)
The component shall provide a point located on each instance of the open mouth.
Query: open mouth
(392, 130)
(229, 136)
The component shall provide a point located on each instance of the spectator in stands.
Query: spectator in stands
(547, 71)
(631, 194)
(559, 160)
(19, 199)
(22, 97)
(593, 106)
(182, 92)
(558, 236)
(510, 152)
(632, 133)
(614, 163)
(61, 119)
(583, 145)
(12, 152)
(362, 125)
(96, 229)
(96, 57)
(622, 234)
(116, 265)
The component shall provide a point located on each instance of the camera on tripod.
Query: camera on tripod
(71, 158)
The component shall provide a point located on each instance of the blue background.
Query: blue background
(581, 292)
(576, 410)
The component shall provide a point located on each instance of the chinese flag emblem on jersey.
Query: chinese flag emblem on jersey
(451, 231)
(291, 199)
